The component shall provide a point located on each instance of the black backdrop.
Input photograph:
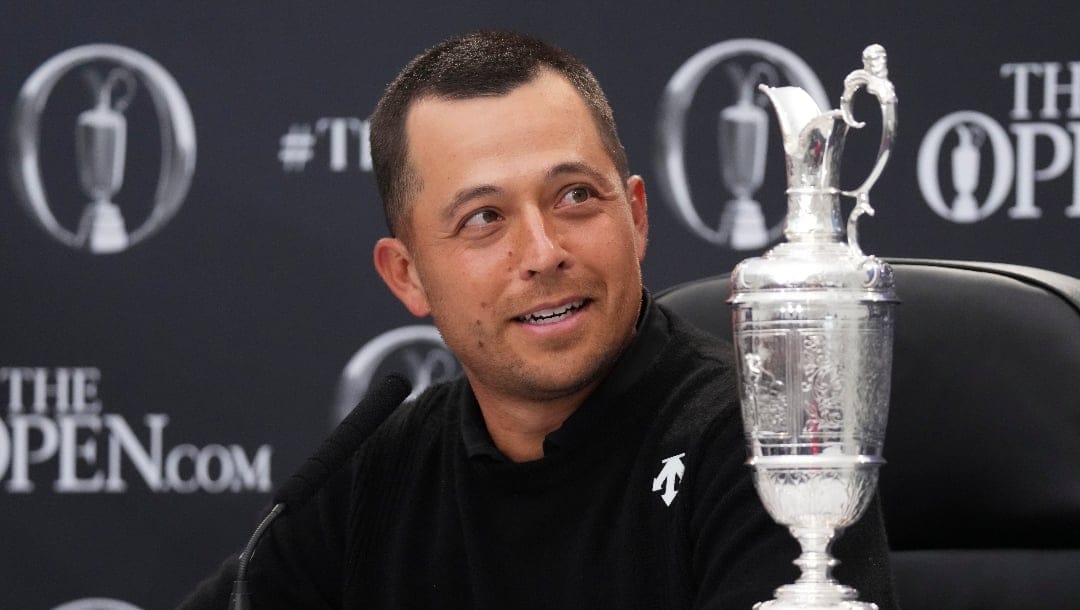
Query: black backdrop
(153, 396)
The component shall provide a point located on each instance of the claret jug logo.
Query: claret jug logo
(123, 85)
(735, 218)
(968, 165)
(416, 351)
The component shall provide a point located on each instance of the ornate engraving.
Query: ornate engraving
(822, 385)
(803, 497)
(764, 397)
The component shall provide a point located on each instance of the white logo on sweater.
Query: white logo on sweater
(670, 475)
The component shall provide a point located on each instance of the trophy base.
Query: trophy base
(815, 596)
(101, 229)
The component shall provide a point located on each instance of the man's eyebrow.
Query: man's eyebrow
(578, 167)
(466, 195)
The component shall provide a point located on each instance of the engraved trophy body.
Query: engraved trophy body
(813, 327)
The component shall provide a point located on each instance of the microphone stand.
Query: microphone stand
(240, 598)
(331, 456)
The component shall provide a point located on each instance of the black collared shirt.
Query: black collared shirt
(643, 500)
(650, 335)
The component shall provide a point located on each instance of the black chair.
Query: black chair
(981, 492)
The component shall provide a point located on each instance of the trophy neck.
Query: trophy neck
(813, 181)
(813, 216)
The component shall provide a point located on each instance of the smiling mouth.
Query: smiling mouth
(551, 316)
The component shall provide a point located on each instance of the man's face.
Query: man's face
(524, 244)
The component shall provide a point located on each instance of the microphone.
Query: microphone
(372, 410)
(302, 486)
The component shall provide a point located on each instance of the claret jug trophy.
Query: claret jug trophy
(813, 331)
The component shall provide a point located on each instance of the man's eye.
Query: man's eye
(575, 195)
(481, 218)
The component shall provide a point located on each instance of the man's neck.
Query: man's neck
(518, 426)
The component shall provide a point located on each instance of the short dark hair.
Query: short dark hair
(485, 63)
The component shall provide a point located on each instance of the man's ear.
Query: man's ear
(396, 267)
(639, 211)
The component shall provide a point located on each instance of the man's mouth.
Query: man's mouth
(551, 316)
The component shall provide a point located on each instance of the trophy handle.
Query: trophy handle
(873, 76)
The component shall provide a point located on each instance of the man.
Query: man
(592, 455)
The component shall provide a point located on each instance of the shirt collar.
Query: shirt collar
(649, 337)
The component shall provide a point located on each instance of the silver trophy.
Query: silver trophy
(100, 151)
(813, 329)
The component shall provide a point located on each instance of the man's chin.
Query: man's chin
(557, 385)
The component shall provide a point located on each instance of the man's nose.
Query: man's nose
(541, 245)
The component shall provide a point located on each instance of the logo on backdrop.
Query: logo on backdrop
(56, 428)
(117, 79)
(417, 351)
(345, 138)
(741, 129)
(968, 165)
(96, 603)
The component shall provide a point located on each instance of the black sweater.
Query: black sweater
(429, 515)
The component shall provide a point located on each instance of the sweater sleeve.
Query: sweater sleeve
(213, 593)
(739, 555)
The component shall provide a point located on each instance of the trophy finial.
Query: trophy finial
(874, 61)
